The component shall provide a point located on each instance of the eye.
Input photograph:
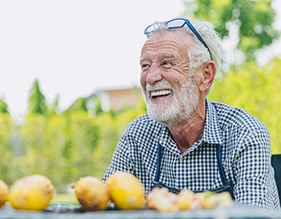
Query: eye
(167, 64)
(145, 66)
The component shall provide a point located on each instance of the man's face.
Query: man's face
(169, 87)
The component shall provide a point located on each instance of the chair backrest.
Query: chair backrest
(276, 163)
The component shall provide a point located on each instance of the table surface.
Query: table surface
(235, 212)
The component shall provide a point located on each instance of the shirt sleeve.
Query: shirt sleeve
(255, 183)
(121, 160)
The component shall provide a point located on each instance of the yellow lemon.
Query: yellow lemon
(32, 192)
(91, 193)
(126, 191)
(4, 193)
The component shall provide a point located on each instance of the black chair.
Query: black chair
(276, 163)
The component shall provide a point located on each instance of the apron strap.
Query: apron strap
(159, 158)
(226, 186)
(220, 166)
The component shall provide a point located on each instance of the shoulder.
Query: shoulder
(237, 117)
(143, 125)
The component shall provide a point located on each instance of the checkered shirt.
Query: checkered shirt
(246, 156)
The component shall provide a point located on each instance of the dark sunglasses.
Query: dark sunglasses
(175, 24)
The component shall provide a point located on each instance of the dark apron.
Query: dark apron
(226, 187)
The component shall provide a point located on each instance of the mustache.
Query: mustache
(159, 85)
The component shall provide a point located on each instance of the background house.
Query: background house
(115, 99)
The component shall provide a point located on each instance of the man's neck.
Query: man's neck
(186, 133)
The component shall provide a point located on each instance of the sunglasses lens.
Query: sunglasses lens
(151, 28)
(178, 23)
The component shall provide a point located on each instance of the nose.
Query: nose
(154, 74)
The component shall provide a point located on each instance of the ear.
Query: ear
(208, 75)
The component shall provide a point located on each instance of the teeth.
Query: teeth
(160, 93)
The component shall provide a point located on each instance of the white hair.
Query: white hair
(197, 52)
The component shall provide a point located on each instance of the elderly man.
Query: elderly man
(185, 140)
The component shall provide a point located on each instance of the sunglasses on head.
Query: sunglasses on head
(176, 23)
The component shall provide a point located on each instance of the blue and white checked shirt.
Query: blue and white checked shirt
(246, 156)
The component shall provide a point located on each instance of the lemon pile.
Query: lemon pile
(162, 200)
(35, 192)
(124, 190)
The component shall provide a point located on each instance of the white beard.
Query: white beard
(177, 109)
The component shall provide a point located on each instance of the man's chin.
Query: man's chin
(158, 117)
(162, 113)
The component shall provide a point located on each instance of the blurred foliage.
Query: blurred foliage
(257, 90)
(3, 106)
(253, 18)
(80, 141)
(65, 146)
(65, 198)
(54, 106)
(79, 105)
(6, 147)
(71, 145)
(36, 101)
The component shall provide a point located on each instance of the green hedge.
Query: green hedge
(72, 145)
(62, 147)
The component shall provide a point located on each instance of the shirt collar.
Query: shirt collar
(166, 140)
(211, 134)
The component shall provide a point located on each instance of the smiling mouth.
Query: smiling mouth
(160, 93)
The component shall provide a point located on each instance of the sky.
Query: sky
(74, 47)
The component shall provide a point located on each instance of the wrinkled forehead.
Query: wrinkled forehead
(175, 39)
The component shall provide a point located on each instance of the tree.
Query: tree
(7, 134)
(3, 106)
(36, 101)
(253, 21)
(98, 106)
(54, 107)
(79, 105)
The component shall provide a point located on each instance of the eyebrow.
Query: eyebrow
(144, 59)
(165, 55)
(162, 56)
